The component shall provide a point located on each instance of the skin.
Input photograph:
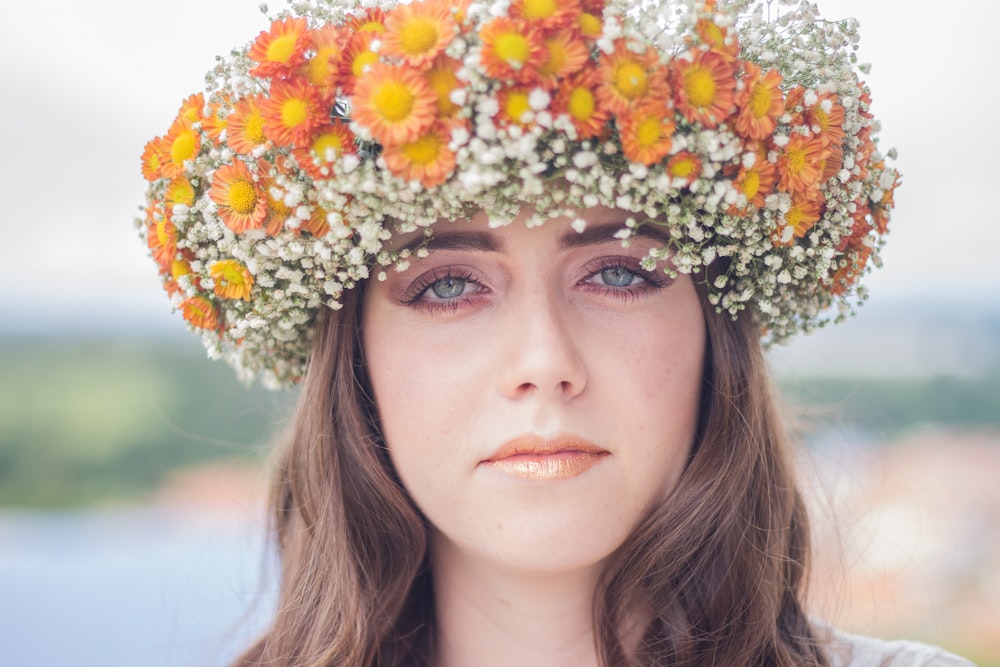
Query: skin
(542, 332)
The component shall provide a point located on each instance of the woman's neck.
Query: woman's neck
(488, 616)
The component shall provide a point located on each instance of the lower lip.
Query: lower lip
(546, 467)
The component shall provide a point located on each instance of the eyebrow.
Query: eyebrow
(604, 232)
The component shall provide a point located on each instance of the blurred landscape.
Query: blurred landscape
(116, 449)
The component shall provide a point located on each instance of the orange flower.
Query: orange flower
(850, 269)
(799, 219)
(577, 98)
(704, 84)
(316, 224)
(514, 105)
(826, 118)
(232, 279)
(646, 133)
(418, 32)
(245, 126)
(426, 159)
(193, 108)
(326, 146)
(511, 50)
(293, 112)
(278, 212)
(756, 182)
(180, 191)
(358, 57)
(282, 50)
(200, 313)
(213, 124)
(685, 167)
(183, 143)
(629, 79)
(154, 155)
(395, 103)
(799, 165)
(567, 54)
(322, 70)
(760, 103)
(717, 39)
(443, 80)
(242, 205)
(161, 237)
(547, 15)
(881, 209)
(831, 162)
(372, 21)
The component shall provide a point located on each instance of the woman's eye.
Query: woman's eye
(448, 288)
(618, 276)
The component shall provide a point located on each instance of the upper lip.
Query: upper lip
(535, 444)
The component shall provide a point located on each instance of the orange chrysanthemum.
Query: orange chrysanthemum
(704, 84)
(760, 103)
(213, 125)
(577, 98)
(427, 159)
(154, 155)
(242, 204)
(512, 50)
(200, 313)
(316, 224)
(372, 21)
(358, 58)
(395, 103)
(567, 54)
(647, 133)
(183, 143)
(800, 163)
(547, 15)
(418, 32)
(322, 69)
(826, 118)
(278, 212)
(443, 80)
(717, 39)
(293, 112)
(590, 25)
(755, 182)
(326, 146)
(193, 108)
(685, 167)
(245, 126)
(179, 191)
(232, 279)
(799, 219)
(515, 108)
(280, 51)
(881, 209)
(629, 79)
(161, 237)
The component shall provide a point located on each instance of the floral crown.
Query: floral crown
(746, 136)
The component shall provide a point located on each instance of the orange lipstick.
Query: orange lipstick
(534, 458)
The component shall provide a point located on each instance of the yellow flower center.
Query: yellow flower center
(183, 148)
(318, 68)
(751, 184)
(242, 197)
(590, 25)
(418, 36)
(712, 33)
(512, 49)
(557, 58)
(394, 101)
(162, 236)
(631, 80)
(683, 168)
(181, 192)
(822, 119)
(254, 129)
(517, 106)
(796, 160)
(443, 81)
(760, 100)
(581, 104)
(229, 271)
(700, 87)
(424, 150)
(539, 9)
(294, 112)
(179, 268)
(648, 131)
(327, 145)
(281, 49)
(794, 217)
(372, 26)
(362, 61)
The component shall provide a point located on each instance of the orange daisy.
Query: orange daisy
(590, 25)
(193, 108)
(372, 21)
(358, 57)
(282, 50)
(183, 143)
(717, 39)
(293, 112)
(155, 153)
(760, 103)
(326, 146)
(850, 269)
(514, 105)
(546, 14)
(443, 80)
(200, 313)
(799, 164)
(511, 50)
(322, 69)
(567, 54)
(685, 167)
(180, 191)
(799, 219)
(245, 126)
(316, 224)
(881, 209)
(161, 238)
(704, 84)
(831, 162)
(755, 182)
(629, 79)
(647, 133)
(395, 103)
(418, 32)
(213, 125)
(242, 204)
(577, 98)
(232, 279)
(826, 118)
(426, 159)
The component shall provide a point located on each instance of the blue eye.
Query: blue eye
(617, 276)
(448, 288)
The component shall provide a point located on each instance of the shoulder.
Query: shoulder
(847, 650)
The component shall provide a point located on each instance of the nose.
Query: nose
(541, 354)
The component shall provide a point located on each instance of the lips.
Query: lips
(535, 458)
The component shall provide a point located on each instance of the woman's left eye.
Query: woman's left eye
(618, 276)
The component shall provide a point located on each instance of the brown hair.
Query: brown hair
(721, 565)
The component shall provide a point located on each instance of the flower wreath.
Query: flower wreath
(747, 136)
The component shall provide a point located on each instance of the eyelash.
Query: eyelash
(415, 294)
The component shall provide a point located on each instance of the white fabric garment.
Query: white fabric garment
(847, 650)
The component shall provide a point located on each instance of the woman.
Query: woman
(521, 258)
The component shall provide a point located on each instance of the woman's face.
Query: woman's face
(537, 389)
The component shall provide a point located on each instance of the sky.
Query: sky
(84, 85)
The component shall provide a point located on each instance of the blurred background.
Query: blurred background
(133, 472)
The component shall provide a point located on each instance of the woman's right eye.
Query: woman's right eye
(444, 288)
(448, 288)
